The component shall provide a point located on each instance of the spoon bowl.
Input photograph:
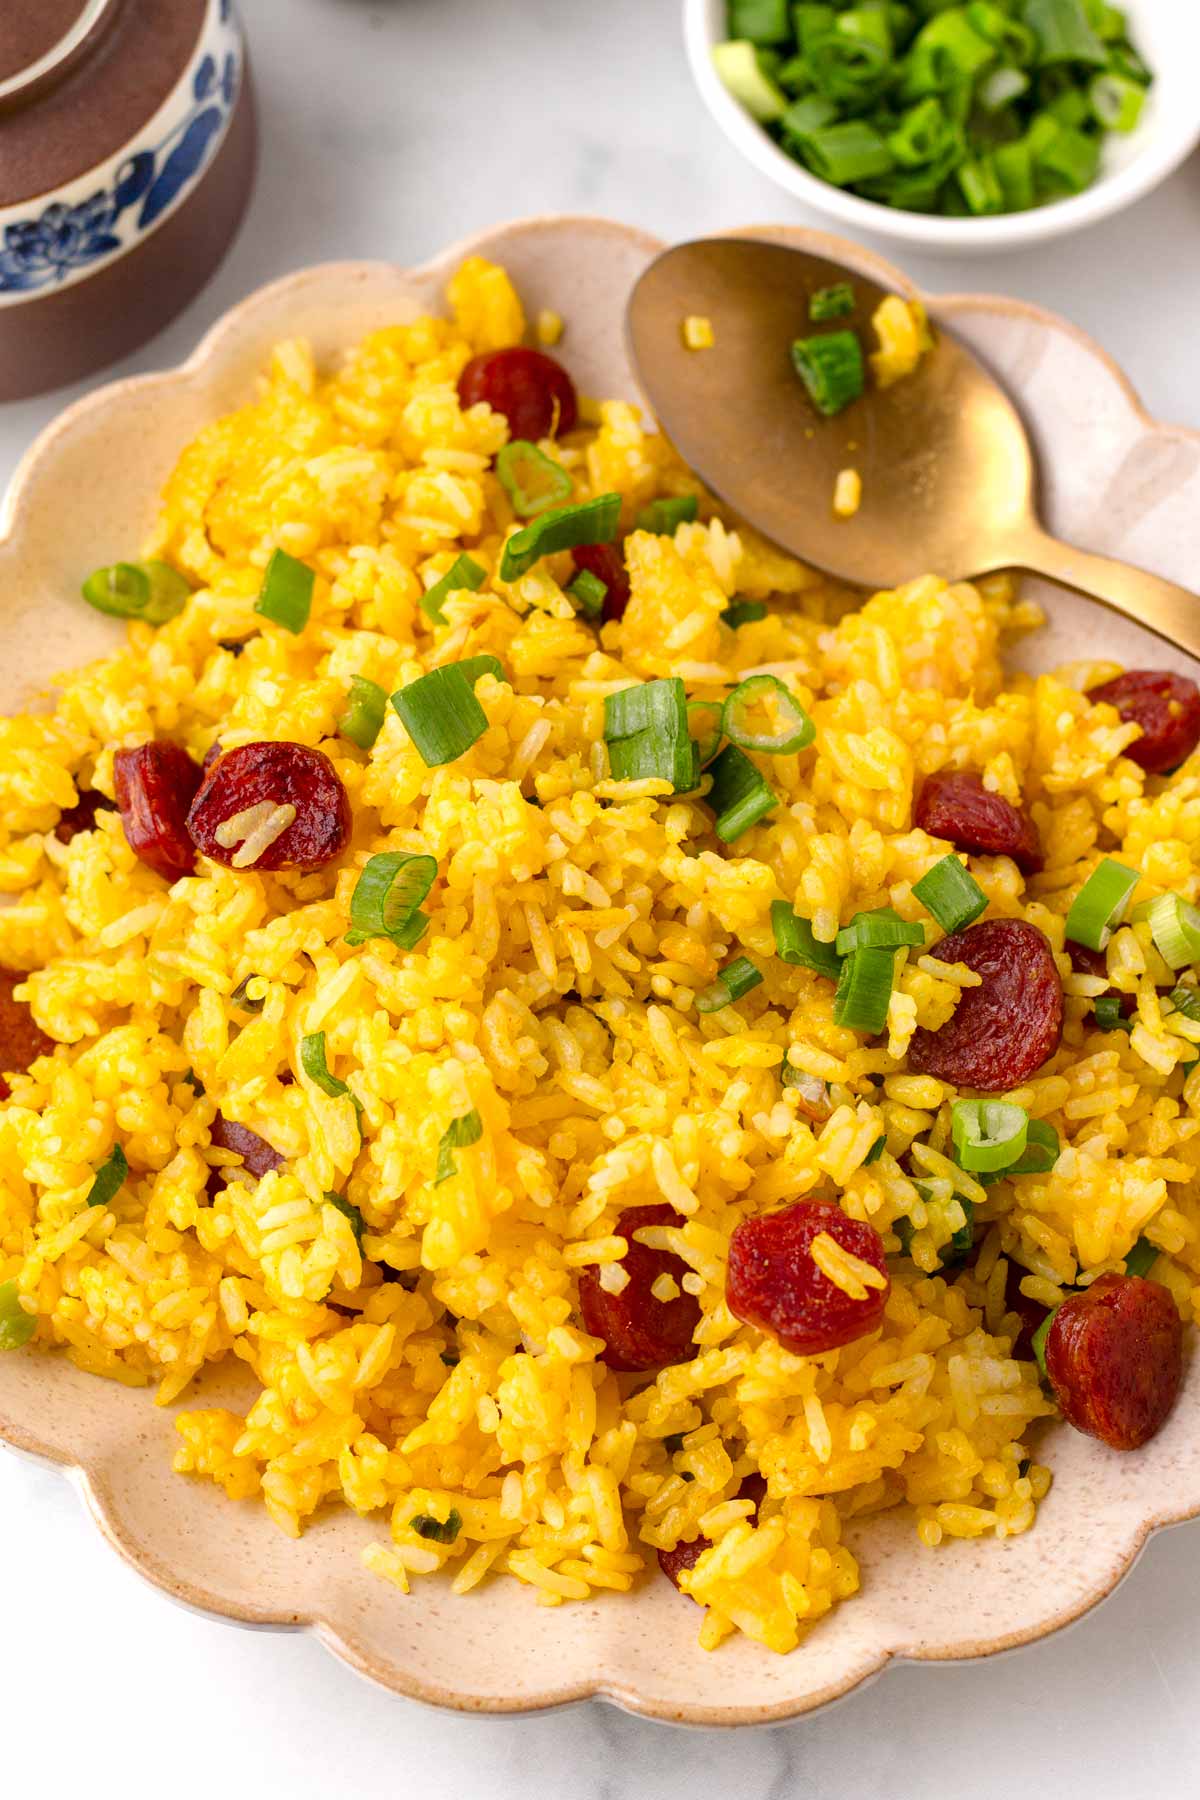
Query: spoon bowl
(948, 474)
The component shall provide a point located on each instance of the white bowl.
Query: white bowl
(1167, 32)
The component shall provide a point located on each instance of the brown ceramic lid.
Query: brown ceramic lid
(126, 157)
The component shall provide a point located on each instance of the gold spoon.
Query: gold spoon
(947, 470)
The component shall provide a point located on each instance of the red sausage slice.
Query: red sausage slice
(258, 1157)
(269, 775)
(686, 1556)
(606, 563)
(954, 804)
(82, 816)
(21, 1040)
(1166, 706)
(535, 393)
(640, 1331)
(1004, 1030)
(772, 1281)
(155, 785)
(1114, 1356)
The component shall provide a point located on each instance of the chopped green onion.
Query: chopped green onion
(846, 153)
(1069, 162)
(739, 796)
(923, 134)
(1117, 102)
(811, 21)
(1124, 60)
(16, 1325)
(849, 66)
(833, 302)
(520, 462)
(876, 1151)
(1142, 1257)
(440, 712)
(988, 1134)
(312, 1061)
(795, 943)
(1099, 906)
(864, 990)
(349, 1211)
(460, 1134)
(438, 1531)
(464, 572)
(590, 522)
(242, 999)
(588, 592)
(1041, 1150)
(1109, 1016)
(1000, 88)
(880, 930)
(1013, 164)
(662, 516)
(951, 894)
(1175, 927)
(831, 368)
(110, 1178)
(1011, 40)
(366, 704)
(980, 184)
(708, 742)
(1039, 1341)
(812, 112)
(738, 66)
(1063, 33)
(151, 591)
(794, 730)
(286, 593)
(1187, 1001)
(743, 612)
(646, 730)
(963, 1240)
(387, 895)
(735, 979)
(762, 21)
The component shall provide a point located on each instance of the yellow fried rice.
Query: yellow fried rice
(573, 921)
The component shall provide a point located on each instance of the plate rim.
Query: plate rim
(89, 1479)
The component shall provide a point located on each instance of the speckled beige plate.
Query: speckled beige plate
(1116, 482)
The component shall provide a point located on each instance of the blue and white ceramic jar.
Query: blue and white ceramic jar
(126, 160)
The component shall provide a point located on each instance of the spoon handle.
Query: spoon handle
(1147, 599)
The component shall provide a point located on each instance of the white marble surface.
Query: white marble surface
(391, 127)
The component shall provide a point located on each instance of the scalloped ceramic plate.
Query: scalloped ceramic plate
(1115, 482)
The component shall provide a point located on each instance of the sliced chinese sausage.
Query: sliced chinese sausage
(535, 393)
(606, 563)
(1002, 1031)
(687, 1555)
(82, 816)
(639, 1330)
(954, 804)
(1114, 1357)
(773, 1281)
(1166, 706)
(258, 1157)
(155, 785)
(271, 806)
(21, 1040)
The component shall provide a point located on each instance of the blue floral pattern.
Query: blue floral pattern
(65, 239)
